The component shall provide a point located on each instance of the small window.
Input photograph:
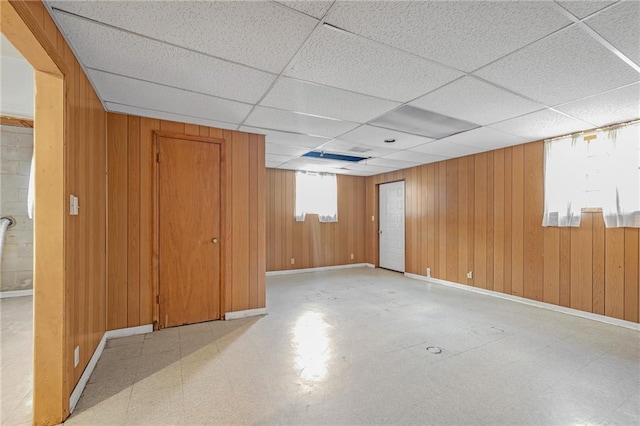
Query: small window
(600, 170)
(316, 193)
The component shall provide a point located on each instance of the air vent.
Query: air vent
(329, 156)
(358, 149)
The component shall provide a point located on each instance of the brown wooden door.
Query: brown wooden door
(188, 223)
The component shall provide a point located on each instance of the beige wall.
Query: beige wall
(16, 149)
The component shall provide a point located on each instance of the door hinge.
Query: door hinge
(157, 157)
(158, 299)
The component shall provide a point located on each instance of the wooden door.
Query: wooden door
(188, 226)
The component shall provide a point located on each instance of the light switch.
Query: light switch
(73, 205)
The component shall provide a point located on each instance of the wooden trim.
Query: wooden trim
(172, 135)
(16, 122)
(591, 210)
(51, 323)
(43, 56)
(156, 217)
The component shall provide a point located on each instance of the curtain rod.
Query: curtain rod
(598, 129)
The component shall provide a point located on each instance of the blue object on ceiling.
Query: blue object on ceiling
(329, 156)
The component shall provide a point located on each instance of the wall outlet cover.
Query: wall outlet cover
(76, 356)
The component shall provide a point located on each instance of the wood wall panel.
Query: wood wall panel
(130, 288)
(485, 211)
(81, 160)
(311, 243)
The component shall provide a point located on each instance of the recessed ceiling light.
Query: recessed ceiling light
(389, 140)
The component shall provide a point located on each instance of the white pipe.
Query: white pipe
(5, 223)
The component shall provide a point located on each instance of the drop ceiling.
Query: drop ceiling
(343, 76)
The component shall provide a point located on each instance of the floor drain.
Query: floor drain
(434, 350)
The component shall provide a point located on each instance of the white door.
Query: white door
(391, 232)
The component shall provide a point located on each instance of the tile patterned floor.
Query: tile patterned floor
(350, 347)
(16, 355)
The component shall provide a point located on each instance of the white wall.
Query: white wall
(16, 83)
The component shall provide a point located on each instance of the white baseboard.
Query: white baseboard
(244, 314)
(15, 293)
(319, 269)
(518, 299)
(108, 335)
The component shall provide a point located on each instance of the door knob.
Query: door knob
(380, 232)
(214, 240)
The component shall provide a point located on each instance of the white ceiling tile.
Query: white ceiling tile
(483, 138)
(345, 147)
(620, 26)
(291, 151)
(473, 100)
(161, 115)
(375, 136)
(464, 34)
(127, 91)
(607, 108)
(565, 66)
(541, 125)
(300, 123)
(311, 98)
(276, 158)
(261, 34)
(446, 148)
(390, 163)
(121, 52)
(413, 156)
(285, 138)
(365, 167)
(582, 9)
(353, 172)
(349, 62)
(272, 165)
(315, 8)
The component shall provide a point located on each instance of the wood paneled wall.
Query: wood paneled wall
(483, 213)
(311, 243)
(130, 293)
(84, 175)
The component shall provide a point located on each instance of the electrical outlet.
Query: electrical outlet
(351, 256)
(76, 356)
(470, 275)
(293, 260)
(428, 272)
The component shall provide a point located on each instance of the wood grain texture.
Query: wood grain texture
(581, 265)
(485, 211)
(310, 243)
(117, 225)
(598, 264)
(70, 251)
(189, 218)
(533, 231)
(631, 274)
(249, 180)
(614, 273)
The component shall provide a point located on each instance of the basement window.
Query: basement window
(316, 193)
(599, 170)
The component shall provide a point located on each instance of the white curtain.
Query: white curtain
(621, 189)
(316, 193)
(564, 186)
(599, 172)
(31, 193)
